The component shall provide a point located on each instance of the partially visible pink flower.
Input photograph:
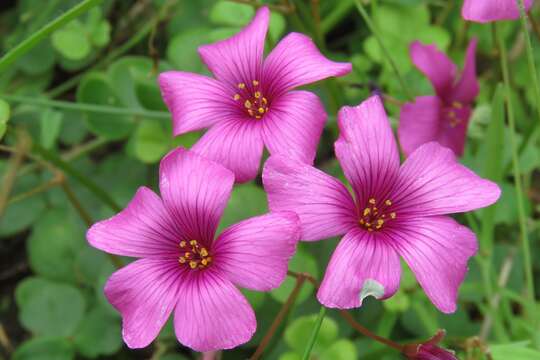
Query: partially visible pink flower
(444, 117)
(484, 11)
(182, 267)
(396, 211)
(249, 103)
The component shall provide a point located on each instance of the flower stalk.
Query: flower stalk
(314, 333)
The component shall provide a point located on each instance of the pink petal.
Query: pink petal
(363, 264)
(195, 101)
(467, 88)
(436, 249)
(454, 136)
(294, 125)
(433, 63)
(296, 61)
(143, 229)
(432, 182)
(145, 293)
(195, 191)
(484, 11)
(323, 204)
(367, 150)
(419, 122)
(236, 144)
(255, 253)
(212, 314)
(239, 58)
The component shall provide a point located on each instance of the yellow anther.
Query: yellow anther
(204, 262)
(393, 215)
(457, 105)
(388, 202)
(452, 114)
(264, 101)
(370, 229)
(193, 264)
(236, 97)
(182, 244)
(261, 110)
(362, 221)
(372, 201)
(209, 258)
(182, 260)
(193, 242)
(187, 255)
(204, 252)
(257, 94)
(247, 104)
(241, 85)
(255, 82)
(257, 116)
(367, 211)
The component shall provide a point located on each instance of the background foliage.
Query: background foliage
(84, 108)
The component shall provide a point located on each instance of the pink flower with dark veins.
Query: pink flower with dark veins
(248, 104)
(433, 352)
(445, 116)
(484, 11)
(396, 211)
(182, 267)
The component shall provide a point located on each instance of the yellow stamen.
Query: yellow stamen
(236, 97)
(204, 252)
(255, 82)
(241, 85)
(193, 264)
(187, 255)
(393, 215)
(182, 260)
(388, 202)
(264, 101)
(193, 242)
(367, 211)
(372, 201)
(257, 94)
(261, 110)
(247, 104)
(204, 262)
(182, 244)
(257, 116)
(452, 115)
(457, 105)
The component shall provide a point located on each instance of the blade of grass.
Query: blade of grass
(522, 217)
(11, 56)
(314, 333)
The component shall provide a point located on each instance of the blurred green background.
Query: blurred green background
(84, 108)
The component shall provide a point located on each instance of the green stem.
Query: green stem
(530, 56)
(522, 217)
(84, 180)
(103, 109)
(378, 36)
(41, 34)
(314, 333)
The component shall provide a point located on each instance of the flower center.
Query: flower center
(374, 217)
(454, 114)
(194, 255)
(252, 100)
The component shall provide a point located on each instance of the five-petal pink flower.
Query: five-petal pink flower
(249, 105)
(182, 267)
(445, 116)
(396, 211)
(484, 11)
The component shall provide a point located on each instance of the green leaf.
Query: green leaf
(125, 73)
(51, 123)
(45, 348)
(54, 244)
(49, 308)
(38, 60)
(152, 141)
(99, 334)
(515, 351)
(74, 129)
(96, 89)
(4, 117)
(277, 25)
(301, 262)
(342, 349)
(398, 303)
(182, 49)
(71, 41)
(247, 200)
(255, 298)
(231, 13)
(20, 215)
(101, 34)
(298, 333)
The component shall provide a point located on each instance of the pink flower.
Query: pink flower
(249, 105)
(433, 352)
(484, 11)
(397, 211)
(444, 117)
(182, 267)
